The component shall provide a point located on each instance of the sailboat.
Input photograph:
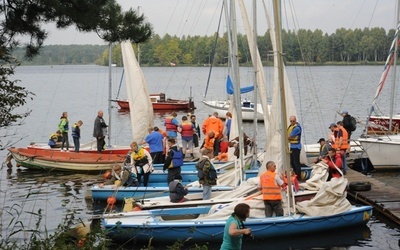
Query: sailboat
(382, 149)
(206, 223)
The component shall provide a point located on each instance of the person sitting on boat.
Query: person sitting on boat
(121, 177)
(323, 150)
(271, 184)
(141, 163)
(234, 228)
(187, 130)
(204, 167)
(215, 124)
(76, 134)
(171, 125)
(177, 191)
(174, 160)
(334, 161)
(55, 139)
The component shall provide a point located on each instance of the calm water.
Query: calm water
(83, 90)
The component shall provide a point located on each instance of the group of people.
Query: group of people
(335, 150)
(60, 137)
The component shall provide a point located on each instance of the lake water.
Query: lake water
(83, 90)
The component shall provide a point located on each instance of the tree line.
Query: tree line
(361, 46)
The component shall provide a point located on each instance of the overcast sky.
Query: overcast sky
(200, 17)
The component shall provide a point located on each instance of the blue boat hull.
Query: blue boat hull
(212, 230)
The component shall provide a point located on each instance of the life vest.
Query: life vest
(177, 158)
(76, 133)
(140, 157)
(54, 137)
(209, 143)
(173, 194)
(334, 138)
(345, 142)
(169, 126)
(270, 190)
(295, 182)
(65, 127)
(296, 139)
(187, 129)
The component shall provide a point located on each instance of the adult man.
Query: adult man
(204, 166)
(323, 150)
(347, 122)
(100, 131)
(174, 160)
(196, 135)
(342, 143)
(271, 184)
(155, 141)
(294, 138)
(213, 123)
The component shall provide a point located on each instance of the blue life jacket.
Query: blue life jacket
(177, 159)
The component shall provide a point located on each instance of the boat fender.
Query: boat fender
(360, 186)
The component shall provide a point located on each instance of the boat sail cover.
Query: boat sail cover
(140, 106)
(229, 87)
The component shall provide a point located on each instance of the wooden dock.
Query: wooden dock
(383, 198)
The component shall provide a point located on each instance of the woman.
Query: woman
(141, 163)
(234, 228)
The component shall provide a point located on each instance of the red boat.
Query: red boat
(159, 102)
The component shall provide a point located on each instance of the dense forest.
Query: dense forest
(345, 46)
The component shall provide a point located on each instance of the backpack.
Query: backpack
(353, 123)
(211, 175)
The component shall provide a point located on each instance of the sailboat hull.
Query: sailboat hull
(383, 152)
(159, 225)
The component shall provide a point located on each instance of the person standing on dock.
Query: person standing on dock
(156, 144)
(342, 143)
(294, 138)
(171, 125)
(196, 135)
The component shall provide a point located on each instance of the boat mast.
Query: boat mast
(109, 92)
(256, 76)
(284, 119)
(394, 73)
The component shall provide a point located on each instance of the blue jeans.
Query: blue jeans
(207, 192)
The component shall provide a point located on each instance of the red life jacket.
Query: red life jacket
(169, 126)
(187, 129)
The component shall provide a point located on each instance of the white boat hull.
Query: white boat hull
(383, 152)
(247, 112)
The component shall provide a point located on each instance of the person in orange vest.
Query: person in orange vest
(342, 143)
(271, 184)
(187, 130)
(215, 124)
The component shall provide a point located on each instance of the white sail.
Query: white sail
(274, 128)
(140, 106)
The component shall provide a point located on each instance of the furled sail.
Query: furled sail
(140, 106)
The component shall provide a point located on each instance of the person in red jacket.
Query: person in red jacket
(334, 161)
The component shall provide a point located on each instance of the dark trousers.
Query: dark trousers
(158, 157)
(100, 144)
(146, 177)
(295, 162)
(173, 173)
(65, 141)
(76, 144)
(273, 206)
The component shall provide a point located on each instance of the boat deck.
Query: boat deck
(383, 198)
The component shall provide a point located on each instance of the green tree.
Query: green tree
(26, 18)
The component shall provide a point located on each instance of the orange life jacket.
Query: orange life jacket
(187, 129)
(209, 143)
(270, 190)
(345, 142)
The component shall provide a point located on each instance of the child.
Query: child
(76, 134)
